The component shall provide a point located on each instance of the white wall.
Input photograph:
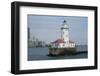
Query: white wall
(5, 41)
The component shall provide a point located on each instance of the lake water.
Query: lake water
(41, 54)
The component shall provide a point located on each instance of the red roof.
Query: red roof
(59, 41)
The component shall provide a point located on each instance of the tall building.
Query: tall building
(28, 33)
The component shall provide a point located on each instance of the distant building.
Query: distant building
(34, 42)
(28, 33)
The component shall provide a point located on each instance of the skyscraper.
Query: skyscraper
(28, 33)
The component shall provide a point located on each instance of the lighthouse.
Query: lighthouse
(63, 45)
(65, 32)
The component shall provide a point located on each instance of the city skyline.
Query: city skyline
(47, 28)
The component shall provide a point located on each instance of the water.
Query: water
(41, 54)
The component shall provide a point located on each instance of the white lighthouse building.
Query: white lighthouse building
(65, 32)
(63, 44)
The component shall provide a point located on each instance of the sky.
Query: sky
(48, 28)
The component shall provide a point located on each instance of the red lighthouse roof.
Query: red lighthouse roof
(58, 41)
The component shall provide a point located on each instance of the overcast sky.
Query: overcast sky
(47, 28)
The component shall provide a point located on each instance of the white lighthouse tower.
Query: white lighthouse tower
(65, 32)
